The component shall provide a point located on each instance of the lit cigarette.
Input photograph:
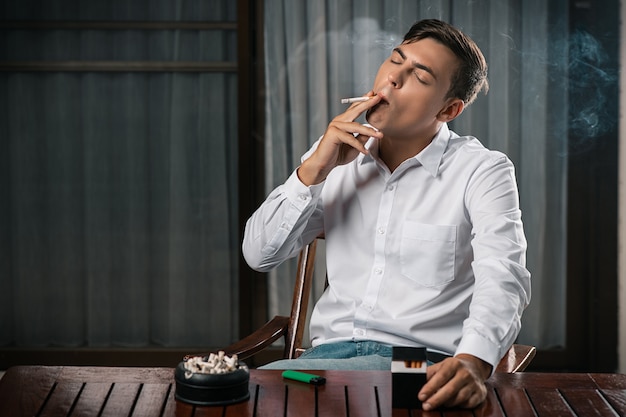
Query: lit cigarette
(354, 100)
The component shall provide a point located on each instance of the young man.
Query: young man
(424, 238)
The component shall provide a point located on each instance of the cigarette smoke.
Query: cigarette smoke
(592, 84)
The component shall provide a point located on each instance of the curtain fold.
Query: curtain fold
(333, 49)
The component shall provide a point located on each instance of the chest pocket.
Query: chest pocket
(427, 253)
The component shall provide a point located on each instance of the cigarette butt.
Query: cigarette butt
(354, 99)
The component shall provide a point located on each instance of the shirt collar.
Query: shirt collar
(430, 157)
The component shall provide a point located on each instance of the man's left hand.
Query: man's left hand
(455, 382)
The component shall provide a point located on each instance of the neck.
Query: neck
(393, 151)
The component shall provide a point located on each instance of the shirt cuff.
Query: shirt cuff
(300, 194)
(476, 345)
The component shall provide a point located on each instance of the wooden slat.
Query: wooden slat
(363, 396)
(549, 402)
(245, 408)
(609, 381)
(92, 398)
(271, 400)
(61, 400)
(332, 399)
(617, 399)
(491, 407)
(588, 403)
(301, 399)
(151, 400)
(538, 380)
(171, 405)
(384, 398)
(113, 374)
(19, 395)
(121, 399)
(362, 401)
(514, 401)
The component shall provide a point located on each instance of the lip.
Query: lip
(382, 104)
(383, 97)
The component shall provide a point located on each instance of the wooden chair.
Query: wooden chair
(292, 328)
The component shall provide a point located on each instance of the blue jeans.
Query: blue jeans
(359, 356)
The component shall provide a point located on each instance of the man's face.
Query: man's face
(413, 83)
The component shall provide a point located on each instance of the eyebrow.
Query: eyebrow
(416, 64)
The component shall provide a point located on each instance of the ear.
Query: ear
(453, 108)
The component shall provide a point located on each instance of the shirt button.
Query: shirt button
(390, 188)
(378, 271)
(381, 230)
(359, 332)
(303, 197)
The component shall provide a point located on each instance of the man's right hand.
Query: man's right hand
(343, 140)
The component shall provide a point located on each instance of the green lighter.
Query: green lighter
(304, 377)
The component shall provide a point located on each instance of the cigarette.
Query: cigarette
(354, 99)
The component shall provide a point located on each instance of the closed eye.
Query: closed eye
(397, 57)
(417, 75)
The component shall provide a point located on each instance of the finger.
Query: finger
(443, 396)
(477, 395)
(336, 136)
(357, 142)
(460, 398)
(437, 376)
(357, 128)
(470, 396)
(440, 385)
(460, 388)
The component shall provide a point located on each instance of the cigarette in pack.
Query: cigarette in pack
(413, 364)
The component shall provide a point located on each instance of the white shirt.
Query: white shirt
(430, 255)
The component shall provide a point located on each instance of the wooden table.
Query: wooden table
(98, 391)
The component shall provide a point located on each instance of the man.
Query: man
(424, 238)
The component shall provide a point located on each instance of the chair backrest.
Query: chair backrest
(300, 303)
(516, 359)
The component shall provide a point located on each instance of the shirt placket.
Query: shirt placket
(370, 298)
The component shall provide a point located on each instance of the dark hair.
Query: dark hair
(471, 75)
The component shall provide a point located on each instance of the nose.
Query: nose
(394, 77)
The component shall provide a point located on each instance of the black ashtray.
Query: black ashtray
(200, 388)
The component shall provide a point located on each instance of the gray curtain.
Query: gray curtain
(318, 52)
(118, 220)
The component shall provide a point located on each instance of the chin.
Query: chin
(373, 120)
